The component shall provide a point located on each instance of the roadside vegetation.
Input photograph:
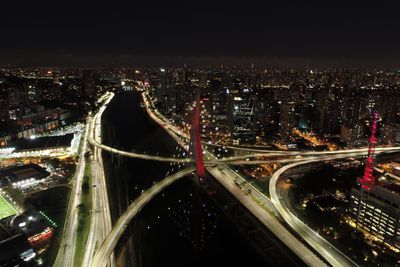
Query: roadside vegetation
(84, 215)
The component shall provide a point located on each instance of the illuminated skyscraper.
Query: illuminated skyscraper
(243, 120)
(287, 119)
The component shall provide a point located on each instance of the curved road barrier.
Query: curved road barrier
(102, 256)
(318, 243)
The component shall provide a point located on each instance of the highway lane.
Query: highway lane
(227, 172)
(323, 247)
(235, 160)
(296, 152)
(287, 236)
(305, 153)
(167, 124)
(103, 209)
(103, 254)
(317, 157)
(66, 252)
(226, 176)
(138, 155)
(101, 223)
(360, 153)
(176, 133)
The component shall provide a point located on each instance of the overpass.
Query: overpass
(226, 176)
(329, 252)
(237, 160)
(102, 256)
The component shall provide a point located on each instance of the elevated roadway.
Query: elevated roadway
(226, 176)
(102, 256)
(332, 255)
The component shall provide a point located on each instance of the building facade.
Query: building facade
(377, 212)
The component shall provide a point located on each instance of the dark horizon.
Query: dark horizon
(110, 60)
(124, 33)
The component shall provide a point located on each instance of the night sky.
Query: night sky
(173, 32)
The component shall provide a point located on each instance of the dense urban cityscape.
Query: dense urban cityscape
(191, 134)
(311, 156)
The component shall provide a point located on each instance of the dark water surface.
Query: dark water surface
(180, 227)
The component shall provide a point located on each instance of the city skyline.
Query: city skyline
(160, 151)
(212, 133)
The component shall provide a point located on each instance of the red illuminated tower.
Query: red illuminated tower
(368, 179)
(198, 151)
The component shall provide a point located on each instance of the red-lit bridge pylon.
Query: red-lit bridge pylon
(196, 140)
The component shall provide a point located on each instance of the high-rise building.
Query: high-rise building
(165, 93)
(218, 106)
(306, 116)
(243, 120)
(356, 108)
(266, 112)
(287, 119)
(352, 135)
(377, 212)
(329, 119)
(390, 106)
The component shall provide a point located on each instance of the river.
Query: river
(180, 227)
